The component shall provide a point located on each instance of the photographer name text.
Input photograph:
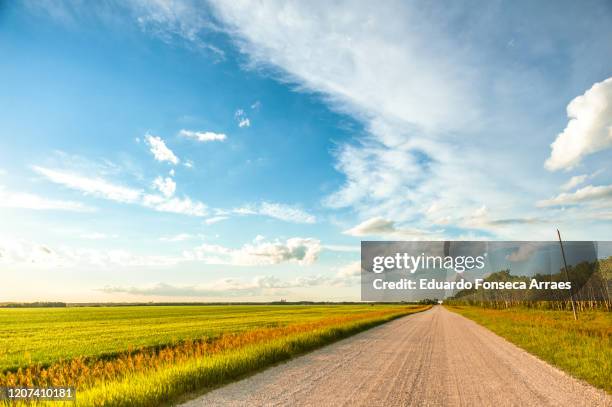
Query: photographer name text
(432, 284)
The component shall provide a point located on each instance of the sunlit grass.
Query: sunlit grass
(149, 375)
(582, 348)
(44, 335)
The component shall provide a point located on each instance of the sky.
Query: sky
(238, 151)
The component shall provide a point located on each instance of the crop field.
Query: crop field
(582, 348)
(149, 355)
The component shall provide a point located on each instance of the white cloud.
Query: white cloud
(97, 236)
(385, 228)
(160, 151)
(350, 270)
(589, 129)
(481, 219)
(589, 193)
(342, 248)
(242, 119)
(101, 188)
(97, 187)
(285, 212)
(303, 251)
(417, 83)
(181, 237)
(215, 219)
(574, 182)
(413, 76)
(227, 287)
(374, 173)
(383, 67)
(31, 201)
(24, 253)
(184, 206)
(279, 211)
(19, 252)
(414, 87)
(188, 164)
(181, 22)
(203, 136)
(166, 186)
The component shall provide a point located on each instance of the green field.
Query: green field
(146, 355)
(582, 348)
(44, 335)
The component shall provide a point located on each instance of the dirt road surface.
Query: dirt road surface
(434, 358)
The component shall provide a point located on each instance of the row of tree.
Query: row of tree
(591, 289)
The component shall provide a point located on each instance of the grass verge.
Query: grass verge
(161, 375)
(581, 348)
(167, 384)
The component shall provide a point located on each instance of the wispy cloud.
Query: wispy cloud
(228, 287)
(26, 200)
(183, 206)
(98, 236)
(215, 219)
(203, 136)
(279, 211)
(342, 248)
(349, 270)
(182, 22)
(97, 187)
(260, 252)
(590, 193)
(429, 126)
(166, 186)
(181, 237)
(160, 151)
(101, 188)
(429, 94)
(26, 253)
(409, 104)
(328, 55)
(481, 219)
(385, 228)
(573, 182)
(242, 119)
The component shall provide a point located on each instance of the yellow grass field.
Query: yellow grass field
(149, 355)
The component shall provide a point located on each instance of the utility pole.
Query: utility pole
(567, 276)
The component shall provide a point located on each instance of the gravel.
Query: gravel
(433, 358)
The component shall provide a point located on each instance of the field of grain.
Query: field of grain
(148, 355)
(582, 348)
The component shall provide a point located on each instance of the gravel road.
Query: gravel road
(434, 358)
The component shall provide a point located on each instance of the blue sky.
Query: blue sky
(191, 150)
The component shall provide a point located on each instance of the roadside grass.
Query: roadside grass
(160, 374)
(165, 385)
(582, 348)
(45, 335)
